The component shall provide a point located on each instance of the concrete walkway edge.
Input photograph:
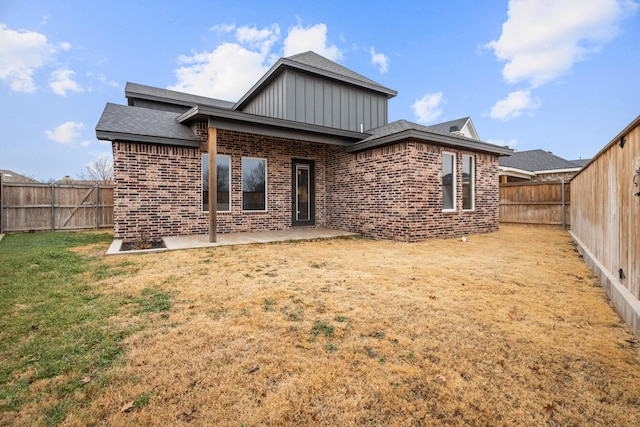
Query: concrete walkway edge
(245, 238)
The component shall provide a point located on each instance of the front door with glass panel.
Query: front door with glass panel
(303, 192)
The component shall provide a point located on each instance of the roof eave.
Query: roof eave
(470, 145)
(543, 171)
(238, 120)
(104, 135)
(506, 170)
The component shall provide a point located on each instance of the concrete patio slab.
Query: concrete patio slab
(1, 236)
(202, 241)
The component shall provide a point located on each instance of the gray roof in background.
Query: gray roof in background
(128, 123)
(446, 126)
(580, 162)
(135, 90)
(402, 129)
(11, 176)
(536, 160)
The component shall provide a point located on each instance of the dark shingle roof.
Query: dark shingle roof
(143, 124)
(314, 60)
(402, 125)
(135, 90)
(402, 129)
(580, 162)
(446, 126)
(536, 160)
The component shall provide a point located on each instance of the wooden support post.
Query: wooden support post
(212, 151)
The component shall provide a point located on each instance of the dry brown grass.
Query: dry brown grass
(508, 328)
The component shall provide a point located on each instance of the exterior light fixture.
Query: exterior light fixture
(623, 141)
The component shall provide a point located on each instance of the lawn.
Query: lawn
(509, 328)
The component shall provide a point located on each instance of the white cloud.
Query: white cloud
(66, 133)
(103, 79)
(427, 109)
(61, 82)
(227, 72)
(380, 59)
(65, 46)
(232, 68)
(513, 106)
(223, 28)
(262, 40)
(542, 39)
(301, 39)
(22, 53)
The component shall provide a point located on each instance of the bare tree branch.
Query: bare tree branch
(100, 171)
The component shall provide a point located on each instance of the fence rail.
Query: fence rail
(543, 204)
(34, 206)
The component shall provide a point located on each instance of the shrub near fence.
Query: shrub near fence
(536, 204)
(31, 207)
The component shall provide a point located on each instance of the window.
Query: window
(223, 169)
(467, 182)
(448, 182)
(254, 184)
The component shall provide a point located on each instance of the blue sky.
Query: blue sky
(561, 75)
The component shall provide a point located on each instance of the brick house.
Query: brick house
(308, 146)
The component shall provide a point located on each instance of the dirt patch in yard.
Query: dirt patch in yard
(509, 328)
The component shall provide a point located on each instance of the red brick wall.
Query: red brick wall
(154, 192)
(158, 189)
(394, 193)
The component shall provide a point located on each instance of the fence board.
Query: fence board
(31, 207)
(535, 204)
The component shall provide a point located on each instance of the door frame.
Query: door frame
(312, 192)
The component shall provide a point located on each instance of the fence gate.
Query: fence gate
(545, 204)
(32, 207)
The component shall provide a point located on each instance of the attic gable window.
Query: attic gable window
(448, 182)
(223, 166)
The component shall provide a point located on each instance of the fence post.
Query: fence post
(564, 225)
(97, 206)
(53, 207)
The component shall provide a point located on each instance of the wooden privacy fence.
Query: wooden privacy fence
(31, 207)
(545, 204)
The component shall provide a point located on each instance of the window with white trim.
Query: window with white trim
(223, 188)
(468, 179)
(254, 184)
(448, 181)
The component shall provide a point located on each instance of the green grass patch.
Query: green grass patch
(154, 300)
(54, 321)
(320, 328)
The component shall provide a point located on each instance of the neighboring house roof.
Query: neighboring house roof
(538, 161)
(313, 63)
(150, 93)
(403, 129)
(580, 162)
(11, 176)
(144, 125)
(463, 125)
